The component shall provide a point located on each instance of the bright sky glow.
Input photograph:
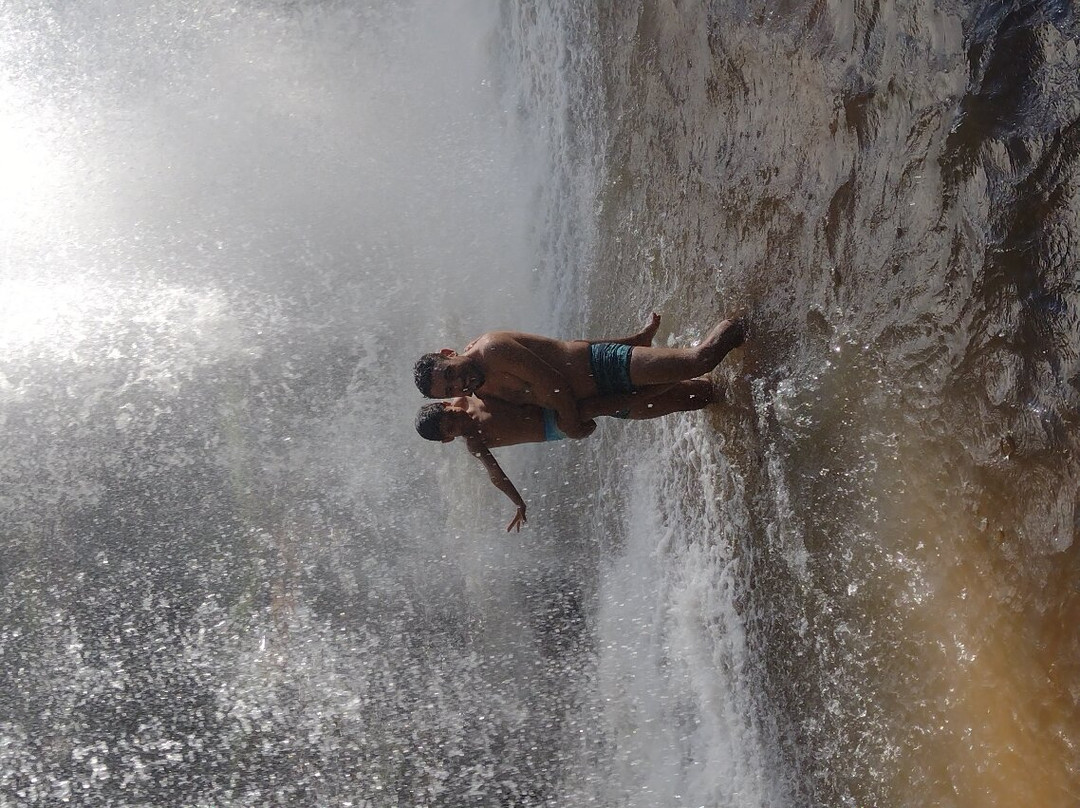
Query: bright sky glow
(31, 169)
(34, 312)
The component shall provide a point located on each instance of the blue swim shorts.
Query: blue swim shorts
(609, 363)
(551, 429)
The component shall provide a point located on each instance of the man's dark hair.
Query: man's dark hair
(423, 370)
(429, 420)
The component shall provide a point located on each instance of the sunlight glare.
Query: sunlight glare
(29, 165)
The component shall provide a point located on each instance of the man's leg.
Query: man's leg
(644, 337)
(692, 394)
(653, 366)
(653, 402)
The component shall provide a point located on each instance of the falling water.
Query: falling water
(228, 228)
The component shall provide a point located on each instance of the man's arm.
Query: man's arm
(478, 449)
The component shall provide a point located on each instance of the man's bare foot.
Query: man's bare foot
(731, 333)
(644, 337)
(728, 335)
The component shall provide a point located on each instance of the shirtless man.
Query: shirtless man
(557, 374)
(490, 423)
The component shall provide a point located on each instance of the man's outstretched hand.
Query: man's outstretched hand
(518, 520)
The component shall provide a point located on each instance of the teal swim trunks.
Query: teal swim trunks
(551, 429)
(609, 363)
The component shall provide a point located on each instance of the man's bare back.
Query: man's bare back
(521, 367)
(501, 423)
